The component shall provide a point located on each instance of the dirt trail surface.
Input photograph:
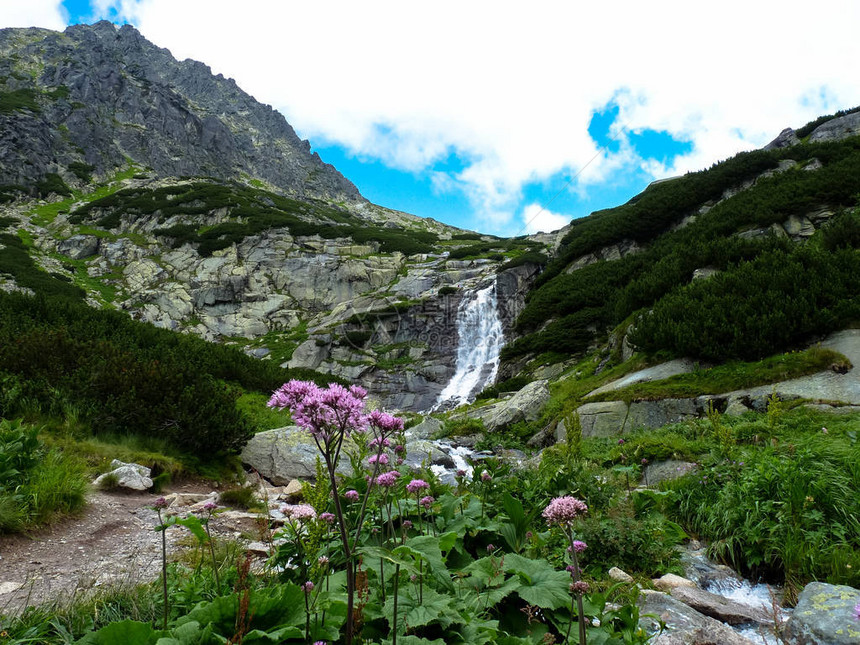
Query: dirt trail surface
(111, 542)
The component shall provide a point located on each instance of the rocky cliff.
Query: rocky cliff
(89, 99)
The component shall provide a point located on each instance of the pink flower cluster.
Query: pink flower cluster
(322, 411)
(416, 485)
(387, 480)
(563, 510)
(299, 512)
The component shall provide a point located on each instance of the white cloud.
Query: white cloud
(511, 89)
(32, 13)
(537, 219)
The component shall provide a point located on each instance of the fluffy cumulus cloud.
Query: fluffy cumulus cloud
(537, 219)
(510, 88)
(32, 13)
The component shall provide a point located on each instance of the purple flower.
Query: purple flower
(385, 422)
(563, 510)
(210, 506)
(308, 587)
(299, 512)
(351, 495)
(381, 459)
(579, 546)
(857, 611)
(579, 587)
(461, 473)
(427, 501)
(407, 524)
(485, 476)
(319, 643)
(644, 461)
(322, 560)
(389, 479)
(328, 518)
(159, 504)
(378, 441)
(399, 449)
(491, 548)
(416, 485)
(621, 442)
(324, 412)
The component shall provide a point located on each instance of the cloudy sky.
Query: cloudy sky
(510, 117)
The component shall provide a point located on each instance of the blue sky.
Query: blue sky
(498, 118)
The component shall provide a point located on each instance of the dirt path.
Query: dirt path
(111, 542)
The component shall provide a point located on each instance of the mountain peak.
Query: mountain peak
(101, 96)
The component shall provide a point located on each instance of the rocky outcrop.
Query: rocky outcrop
(684, 625)
(723, 609)
(105, 94)
(825, 615)
(283, 455)
(525, 405)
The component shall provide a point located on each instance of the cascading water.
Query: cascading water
(481, 337)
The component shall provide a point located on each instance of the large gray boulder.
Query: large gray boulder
(824, 616)
(525, 405)
(653, 414)
(283, 455)
(78, 247)
(131, 476)
(684, 625)
(603, 419)
(723, 609)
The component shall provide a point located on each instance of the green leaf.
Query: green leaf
(193, 524)
(427, 548)
(542, 585)
(127, 632)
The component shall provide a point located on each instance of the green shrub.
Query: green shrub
(243, 497)
(52, 183)
(19, 101)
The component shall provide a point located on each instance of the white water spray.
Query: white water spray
(480, 340)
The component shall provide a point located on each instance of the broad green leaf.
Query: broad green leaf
(193, 524)
(542, 585)
(127, 632)
(427, 548)
(260, 637)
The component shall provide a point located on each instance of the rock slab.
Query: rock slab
(824, 616)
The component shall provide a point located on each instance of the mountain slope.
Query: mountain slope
(88, 99)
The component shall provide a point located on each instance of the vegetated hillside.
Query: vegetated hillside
(772, 234)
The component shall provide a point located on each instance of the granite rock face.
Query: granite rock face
(824, 615)
(104, 94)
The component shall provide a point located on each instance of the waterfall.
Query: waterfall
(481, 337)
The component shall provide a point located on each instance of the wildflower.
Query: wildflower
(381, 459)
(644, 461)
(322, 560)
(413, 578)
(160, 503)
(461, 473)
(485, 476)
(328, 518)
(579, 587)
(857, 611)
(351, 495)
(579, 546)
(621, 442)
(595, 622)
(823, 430)
(299, 512)
(210, 506)
(407, 524)
(427, 501)
(308, 587)
(379, 441)
(415, 485)
(321, 642)
(399, 449)
(491, 548)
(384, 421)
(387, 480)
(562, 510)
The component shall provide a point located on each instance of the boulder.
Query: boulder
(602, 419)
(653, 414)
(132, 476)
(824, 615)
(429, 428)
(723, 609)
(283, 455)
(669, 469)
(618, 575)
(525, 405)
(671, 581)
(78, 247)
(684, 625)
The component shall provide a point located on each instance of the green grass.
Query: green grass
(23, 100)
(262, 418)
(735, 375)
